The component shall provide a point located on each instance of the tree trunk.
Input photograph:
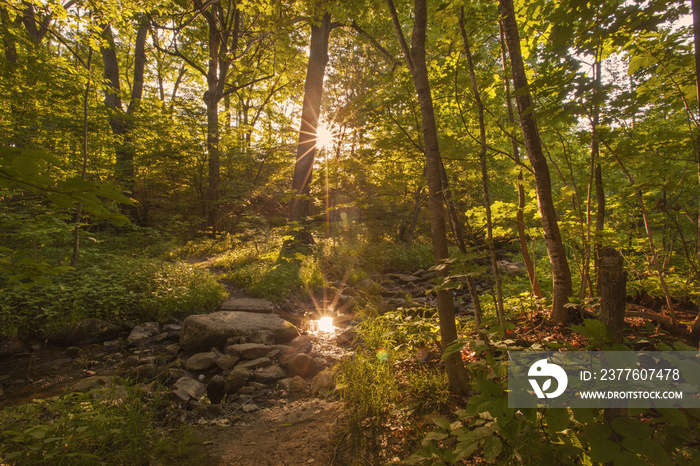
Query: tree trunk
(118, 121)
(696, 41)
(560, 267)
(519, 216)
(310, 112)
(415, 58)
(484, 172)
(612, 289)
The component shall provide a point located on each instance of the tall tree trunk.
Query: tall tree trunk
(696, 41)
(310, 112)
(484, 172)
(118, 120)
(415, 59)
(560, 267)
(83, 173)
(520, 214)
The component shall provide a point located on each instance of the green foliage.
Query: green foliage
(389, 370)
(114, 427)
(488, 428)
(117, 289)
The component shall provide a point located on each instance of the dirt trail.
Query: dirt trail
(302, 432)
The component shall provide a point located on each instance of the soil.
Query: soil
(301, 432)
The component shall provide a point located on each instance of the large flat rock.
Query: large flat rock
(248, 305)
(205, 331)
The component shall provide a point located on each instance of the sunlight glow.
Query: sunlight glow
(324, 137)
(325, 324)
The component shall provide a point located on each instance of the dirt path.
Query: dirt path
(301, 432)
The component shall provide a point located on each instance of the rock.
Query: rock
(249, 407)
(192, 387)
(91, 383)
(173, 348)
(254, 364)
(248, 305)
(298, 385)
(173, 330)
(226, 362)
(369, 287)
(216, 389)
(347, 337)
(512, 268)
(85, 332)
(249, 351)
(269, 375)
(403, 278)
(179, 395)
(302, 343)
(300, 364)
(201, 361)
(263, 337)
(323, 383)
(142, 333)
(72, 351)
(345, 303)
(145, 372)
(201, 332)
(236, 380)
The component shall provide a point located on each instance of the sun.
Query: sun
(324, 137)
(325, 324)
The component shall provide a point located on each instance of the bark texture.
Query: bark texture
(612, 289)
(415, 59)
(310, 112)
(560, 266)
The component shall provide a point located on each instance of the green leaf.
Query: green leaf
(628, 427)
(492, 448)
(557, 419)
(649, 448)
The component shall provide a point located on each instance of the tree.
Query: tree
(310, 113)
(561, 274)
(415, 60)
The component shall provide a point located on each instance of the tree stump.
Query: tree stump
(612, 289)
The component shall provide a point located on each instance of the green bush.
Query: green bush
(116, 289)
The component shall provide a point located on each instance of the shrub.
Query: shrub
(116, 289)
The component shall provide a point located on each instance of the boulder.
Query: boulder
(236, 380)
(249, 351)
(269, 375)
(201, 361)
(204, 331)
(300, 364)
(86, 332)
(143, 333)
(192, 387)
(248, 305)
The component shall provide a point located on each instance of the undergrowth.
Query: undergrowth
(117, 289)
(111, 427)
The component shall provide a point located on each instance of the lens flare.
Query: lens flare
(325, 324)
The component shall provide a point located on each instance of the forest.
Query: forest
(391, 196)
